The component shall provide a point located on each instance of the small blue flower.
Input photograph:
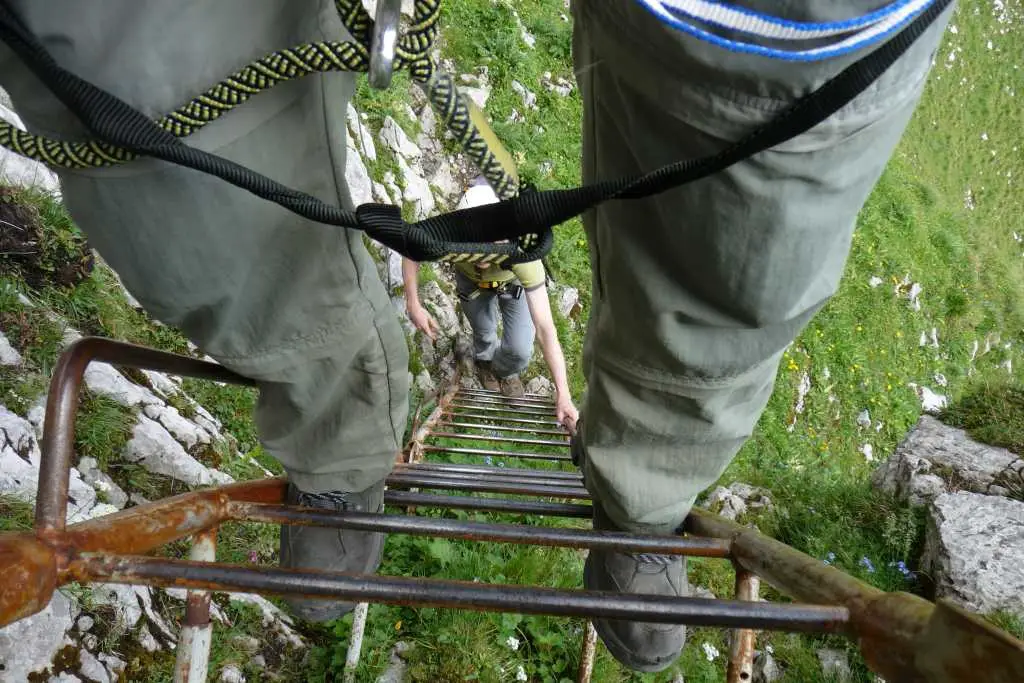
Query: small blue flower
(830, 558)
(866, 563)
(489, 460)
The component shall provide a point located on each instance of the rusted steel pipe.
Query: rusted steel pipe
(456, 404)
(498, 428)
(525, 398)
(499, 439)
(28, 576)
(458, 594)
(501, 454)
(401, 480)
(520, 507)
(506, 401)
(528, 480)
(901, 636)
(62, 404)
(193, 651)
(146, 527)
(587, 652)
(491, 471)
(741, 655)
(478, 531)
(413, 451)
(499, 419)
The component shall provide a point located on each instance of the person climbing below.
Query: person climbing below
(696, 291)
(519, 296)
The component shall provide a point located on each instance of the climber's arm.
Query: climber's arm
(547, 335)
(419, 316)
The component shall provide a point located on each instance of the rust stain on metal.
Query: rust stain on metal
(28, 576)
(741, 657)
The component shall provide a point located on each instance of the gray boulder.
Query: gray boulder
(29, 645)
(935, 458)
(974, 551)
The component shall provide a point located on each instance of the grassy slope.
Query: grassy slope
(861, 353)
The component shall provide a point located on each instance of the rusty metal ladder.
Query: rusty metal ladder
(901, 636)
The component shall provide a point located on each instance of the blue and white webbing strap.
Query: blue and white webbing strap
(777, 38)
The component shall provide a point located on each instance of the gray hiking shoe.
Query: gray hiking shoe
(485, 374)
(512, 386)
(638, 645)
(334, 550)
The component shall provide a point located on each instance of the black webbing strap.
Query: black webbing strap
(473, 230)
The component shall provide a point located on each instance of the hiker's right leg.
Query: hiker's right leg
(698, 290)
(481, 309)
(295, 305)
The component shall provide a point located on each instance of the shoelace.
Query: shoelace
(327, 499)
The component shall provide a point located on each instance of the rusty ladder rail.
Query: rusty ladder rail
(901, 636)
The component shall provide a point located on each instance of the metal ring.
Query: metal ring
(385, 40)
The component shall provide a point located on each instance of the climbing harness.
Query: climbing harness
(517, 229)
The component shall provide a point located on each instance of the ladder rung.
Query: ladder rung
(527, 430)
(459, 450)
(403, 480)
(501, 418)
(508, 505)
(487, 470)
(495, 409)
(393, 590)
(479, 531)
(499, 439)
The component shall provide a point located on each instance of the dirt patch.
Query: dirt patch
(43, 250)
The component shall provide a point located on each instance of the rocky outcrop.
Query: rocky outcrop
(29, 645)
(738, 499)
(935, 458)
(974, 551)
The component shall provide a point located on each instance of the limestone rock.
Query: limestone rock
(84, 623)
(540, 385)
(834, 663)
(30, 644)
(417, 190)
(766, 669)
(360, 186)
(163, 384)
(396, 669)
(360, 135)
(91, 667)
(115, 665)
(231, 674)
(188, 433)
(9, 356)
(425, 383)
(276, 621)
(935, 458)
(380, 194)
(737, 499)
(568, 301)
(558, 85)
(396, 139)
(64, 677)
(103, 379)
(19, 171)
(19, 466)
(155, 449)
(529, 98)
(391, 184)
(974, 553)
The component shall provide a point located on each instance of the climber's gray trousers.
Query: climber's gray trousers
(510, 354)
(696, 292)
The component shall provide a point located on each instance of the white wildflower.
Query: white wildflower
(769, 649)
(984, 136)
(864, 419)
(924, 339)
(521, 673)
(874, 281)
(988, 45)
(878, 426)
(953, 29)
(512, 643)
(940, 379)
(710, 651)
(868, 451)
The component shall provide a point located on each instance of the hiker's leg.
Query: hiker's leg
(481, 309)
(697, 291)
(296, 305)
(517, 335)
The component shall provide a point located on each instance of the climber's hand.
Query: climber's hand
(423, 321)
(566, 413)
